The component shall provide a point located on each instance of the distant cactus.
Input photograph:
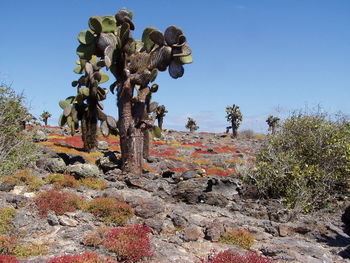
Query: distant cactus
(45, 116)
(134, 64)
(161, 111)
(273, 123)
(191, 125)
(234, 116)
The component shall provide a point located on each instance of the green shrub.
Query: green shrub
(16, 148)
(307, 161)
(240, 237)
(62, 180)
(24, 177)
(6, 216)
(112, 211)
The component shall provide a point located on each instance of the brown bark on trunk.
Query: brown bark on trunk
(131, 137)
(234, 131)
(146, 144)
(89, 124)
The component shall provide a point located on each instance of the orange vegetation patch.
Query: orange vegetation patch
(220, 171)
(149, 168)
(111, 139)
(225, 149)
(237, 161)
(202, 162)
(90, 157)
(166, 152)
(158, 142)
(195, 144)
(178, 158)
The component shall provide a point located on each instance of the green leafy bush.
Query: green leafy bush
(6, 216)
(24, 177)
(112, 211)
(306, 162)
(240, 237)
(16, 148)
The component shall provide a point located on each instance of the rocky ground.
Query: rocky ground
(187, 208)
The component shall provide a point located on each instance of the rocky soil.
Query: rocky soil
(188, 209)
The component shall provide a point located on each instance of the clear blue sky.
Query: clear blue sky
(259, 54)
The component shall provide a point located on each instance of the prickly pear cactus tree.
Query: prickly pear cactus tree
(160, 114)
(86, 107)
(134, 64)
(45, 116)
(234, 116)
(273, 123)
(191, 125)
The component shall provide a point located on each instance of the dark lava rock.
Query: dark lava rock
(7, 187)
(191, 191)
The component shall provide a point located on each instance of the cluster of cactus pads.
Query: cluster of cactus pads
(108, 43)
(273, 123)
(234, 116)
(109, 38)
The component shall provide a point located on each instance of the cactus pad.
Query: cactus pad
(147, 42)
(95, 24)
(176, 70)
(86, 37)
(172, 34)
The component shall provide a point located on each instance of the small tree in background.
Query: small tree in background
(234, 116)
(134, 64)
(273, 123)
(191, 125)
(45, 116)
(161, 112)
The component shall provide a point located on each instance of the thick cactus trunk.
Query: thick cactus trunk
(131, 134)
(146, 144)
(234, 130)
(89, 126)
(160, 123)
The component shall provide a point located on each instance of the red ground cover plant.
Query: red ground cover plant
(230, 256)
(8, 259)
(7, 244)
(220, 172)
(224, 149)
(158, 142)
(57, 201)
(166, 152)
(86, 257)
(195, 144)
(130, 243)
